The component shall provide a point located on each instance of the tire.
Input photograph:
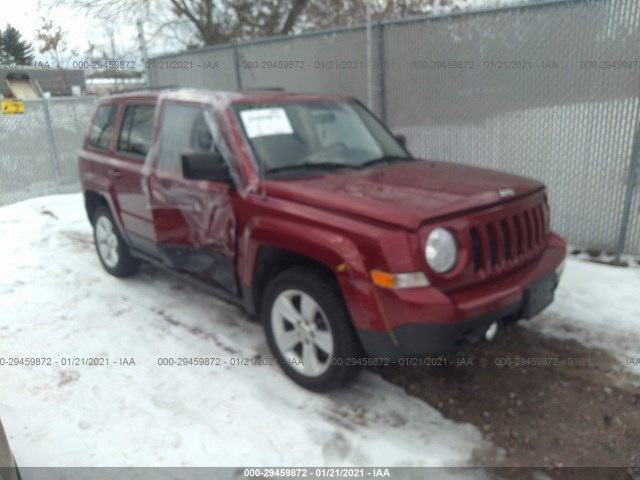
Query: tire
(313, 342)
(112, 250)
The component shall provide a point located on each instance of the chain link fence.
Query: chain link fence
(549, 91)
(39, 148)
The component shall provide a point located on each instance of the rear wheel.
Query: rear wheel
(309, 329)
(112, 250)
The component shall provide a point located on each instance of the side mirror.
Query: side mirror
(401, 139)
(205, 166)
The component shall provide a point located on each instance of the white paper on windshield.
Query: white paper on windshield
(261, 122)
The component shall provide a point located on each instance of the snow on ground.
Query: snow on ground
(597, 305)
(56, 302)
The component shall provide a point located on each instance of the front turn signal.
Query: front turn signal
(399, 280)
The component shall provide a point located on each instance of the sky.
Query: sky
(26, 16)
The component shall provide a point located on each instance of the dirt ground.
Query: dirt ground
(580, 409)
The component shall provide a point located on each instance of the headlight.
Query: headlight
(441, 251)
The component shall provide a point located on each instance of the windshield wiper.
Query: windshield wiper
(385, 159)
(310, 165)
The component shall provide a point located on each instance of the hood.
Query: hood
(405, 194)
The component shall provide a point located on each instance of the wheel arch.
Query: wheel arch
(271, 260)
(93, 200)
(269, 245)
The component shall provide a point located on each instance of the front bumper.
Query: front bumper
(424, 321)
(416, 339)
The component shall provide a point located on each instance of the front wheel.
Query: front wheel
(112, 250)
(309, 329)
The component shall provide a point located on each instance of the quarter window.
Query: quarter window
(102, 126)
(137, 129)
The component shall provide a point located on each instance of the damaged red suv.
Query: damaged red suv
(306, 211)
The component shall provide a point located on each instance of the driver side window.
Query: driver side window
(183, 129)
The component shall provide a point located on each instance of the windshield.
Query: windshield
(298, 137)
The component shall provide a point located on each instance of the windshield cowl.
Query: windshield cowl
(320, 168)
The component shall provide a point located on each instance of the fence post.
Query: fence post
(628, 196)
(381, 73)
(52, 143)
(236, 63)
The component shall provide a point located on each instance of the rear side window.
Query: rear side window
(102, 126)
(137, 129)
(183, 130)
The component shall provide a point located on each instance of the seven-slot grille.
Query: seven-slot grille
(503, 243)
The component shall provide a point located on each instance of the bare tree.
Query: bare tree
(202, 22)
(112, 58)
(111, 48)
(329, 13)
(193, 23)
(53, 44)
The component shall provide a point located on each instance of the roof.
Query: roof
(223, 96)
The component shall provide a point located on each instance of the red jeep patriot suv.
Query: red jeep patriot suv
(307, 212)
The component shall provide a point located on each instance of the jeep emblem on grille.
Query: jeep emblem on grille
(506, 192)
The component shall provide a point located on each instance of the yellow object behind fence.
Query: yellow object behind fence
(12, 106)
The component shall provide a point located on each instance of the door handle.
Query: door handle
(115, 173)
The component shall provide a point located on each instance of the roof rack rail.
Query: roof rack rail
(144, 89)
(263, 89)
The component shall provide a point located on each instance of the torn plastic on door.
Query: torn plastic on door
(194, 220)
(216, 108)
